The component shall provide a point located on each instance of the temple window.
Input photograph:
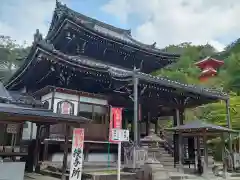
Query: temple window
(65, 107)
(85, 110)
(97, 113)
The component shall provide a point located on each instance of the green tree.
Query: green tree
(10, 54)
(216, 112)
(233, 72)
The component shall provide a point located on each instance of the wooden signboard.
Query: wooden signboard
(12, 128)
(77, 154)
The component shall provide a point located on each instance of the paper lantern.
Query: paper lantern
(209, 67)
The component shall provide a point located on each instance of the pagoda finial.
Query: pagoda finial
(129, 32)
(37, 36)
(58, 3)
(154, 44)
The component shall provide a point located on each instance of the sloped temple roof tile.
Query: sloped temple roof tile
(122, 35)
(87, 62)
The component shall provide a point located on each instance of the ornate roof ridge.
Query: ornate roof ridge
(64, 8)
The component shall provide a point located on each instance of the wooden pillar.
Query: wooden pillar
(87, 148)
(205, 164)
(198, 148)
(223, 156)
(195, 152)
(37, 146)
(239, 143)
(229, 125)
(175, 140)
(139, 122)
(126, 123)
(65, 154)
(45, 152)
(180, 143)
(156, 126)
(147, 123)
(132, 129)
(177, 120)
(235, 146)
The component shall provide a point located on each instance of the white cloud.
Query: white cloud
(19, 19)
(176, 21)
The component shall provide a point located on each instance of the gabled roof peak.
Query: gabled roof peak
(62, 13)
(63, 9)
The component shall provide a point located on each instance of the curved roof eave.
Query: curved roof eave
(86, 62)
(28, 60)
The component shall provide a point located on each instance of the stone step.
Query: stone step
(166, 160)
(163, 155)
(167, 163)
(162, 149)
(179, 176)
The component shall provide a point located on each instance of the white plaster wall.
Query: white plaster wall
(26, 135)
(93, 100)
(63, 97)
(57, 98)
(46, 97)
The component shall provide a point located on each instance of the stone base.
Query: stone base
(155, 172)
(106, 176)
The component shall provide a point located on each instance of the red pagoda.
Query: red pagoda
(209, 67)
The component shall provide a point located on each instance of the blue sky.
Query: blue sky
(93, 9)
(163, 21)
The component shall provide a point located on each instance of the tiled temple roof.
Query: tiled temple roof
(86, 62)
(123, 35)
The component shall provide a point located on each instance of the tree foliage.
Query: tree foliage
(228, 79)
(10, 55)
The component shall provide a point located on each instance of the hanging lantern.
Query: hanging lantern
(209, 67)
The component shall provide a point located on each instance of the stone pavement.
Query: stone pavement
(34, 176)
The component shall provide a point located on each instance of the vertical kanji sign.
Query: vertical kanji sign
(115, 121)
(77, 154)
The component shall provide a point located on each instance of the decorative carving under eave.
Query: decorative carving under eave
(129, 32)
(68, 35)
(187, 100)
(39, 58)
(64, 78)
(78, 49)
(84, 46)
(105, 51)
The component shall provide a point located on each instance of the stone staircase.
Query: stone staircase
(164, 158)
(161, 151)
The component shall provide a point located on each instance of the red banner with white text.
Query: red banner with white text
(115, 120)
